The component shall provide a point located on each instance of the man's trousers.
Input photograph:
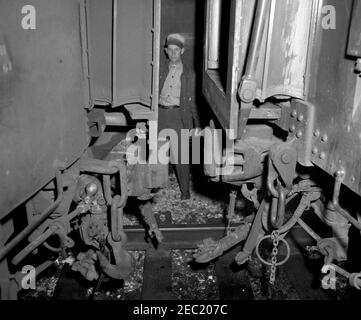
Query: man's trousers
(171, 119)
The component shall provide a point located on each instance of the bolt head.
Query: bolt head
(314, 150)
(323, 156)
(299, 134)
(91, 189)
(292, 128)
(294, 114)
(247, 94)
(316, 133)
(301, 117)
(286, 158)
(340, 173)
(324, 138)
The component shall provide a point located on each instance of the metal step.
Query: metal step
(139, 112)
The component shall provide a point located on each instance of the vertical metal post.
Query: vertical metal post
(84, 33)
(114, 50)
(257, 35)
(214, 30)
(156, 53)
(153, 126)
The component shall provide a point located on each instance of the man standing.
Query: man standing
(177, 109)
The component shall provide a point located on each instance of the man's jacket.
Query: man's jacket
(188, 107)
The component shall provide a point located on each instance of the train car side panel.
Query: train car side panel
(335, 87)
(42, 115)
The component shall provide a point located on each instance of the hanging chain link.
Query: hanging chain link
(275, 236)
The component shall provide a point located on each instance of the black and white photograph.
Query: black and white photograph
(180, 158)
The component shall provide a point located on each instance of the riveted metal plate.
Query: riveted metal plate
(301, 122)
(334, 90)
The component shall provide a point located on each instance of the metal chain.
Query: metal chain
(275, 237)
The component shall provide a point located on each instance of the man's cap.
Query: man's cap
(176, 39)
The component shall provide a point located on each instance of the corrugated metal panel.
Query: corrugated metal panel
(100, 24)
(133, 55)
(286, 49)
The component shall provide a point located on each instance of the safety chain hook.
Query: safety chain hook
(278, 208)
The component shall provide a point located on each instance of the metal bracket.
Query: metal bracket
(283, 160)
(247, 94)
(301, 130)
(250, 195)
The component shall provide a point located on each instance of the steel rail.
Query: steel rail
(176, 236)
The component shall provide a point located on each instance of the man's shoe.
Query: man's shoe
(185, 196)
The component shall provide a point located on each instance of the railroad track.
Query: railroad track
(157, 268)
(233, 283)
